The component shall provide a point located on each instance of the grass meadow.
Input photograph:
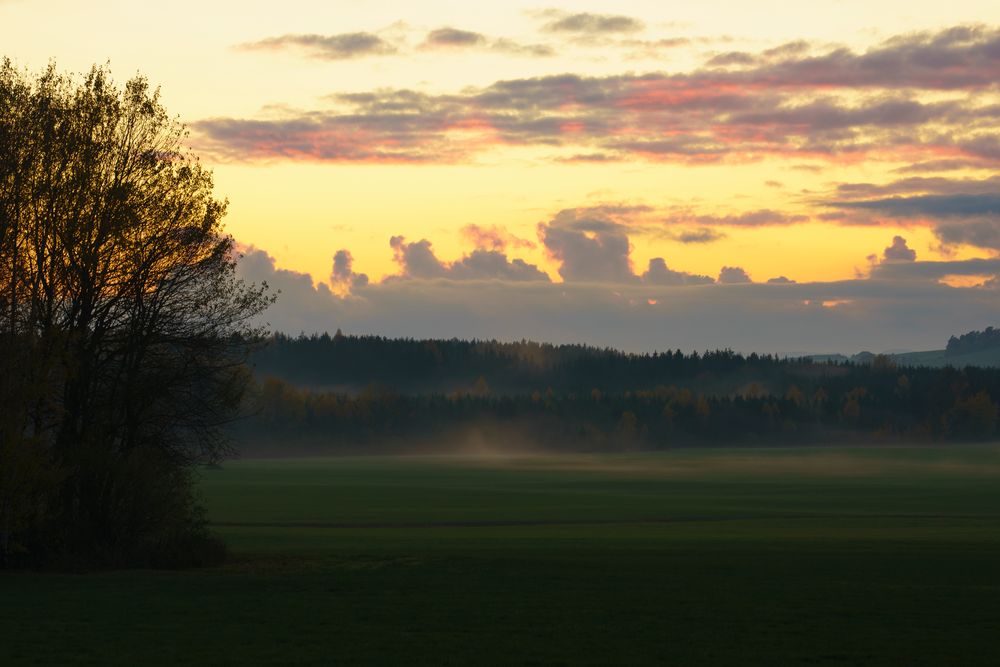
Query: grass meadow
(854, 556)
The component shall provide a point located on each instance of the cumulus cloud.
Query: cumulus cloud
(899, 251)
(302, 305)
(733, 275)
(417, 261)
(659, 274)
(343, 275)
(494, 265)
(880, 313)
(589, 246)
(780, 280)
(328, 47)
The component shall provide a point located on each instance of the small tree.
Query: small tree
(123, 322)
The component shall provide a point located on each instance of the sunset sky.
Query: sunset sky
(773, 175)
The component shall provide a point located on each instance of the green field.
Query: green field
(771, 557)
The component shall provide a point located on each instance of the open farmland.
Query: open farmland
(763, 556)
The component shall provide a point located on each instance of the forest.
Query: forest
(370, 393)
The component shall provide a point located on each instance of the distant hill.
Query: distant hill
(988, 358)
(976, 348)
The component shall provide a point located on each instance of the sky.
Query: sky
(775, 176)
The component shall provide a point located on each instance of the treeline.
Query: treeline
(576, 397)
(349, 364)
(974, 341)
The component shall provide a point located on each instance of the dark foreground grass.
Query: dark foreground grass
(771, 557)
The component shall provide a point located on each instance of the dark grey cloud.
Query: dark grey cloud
(732, 58)
(902, 306)
(746, 59)
(343, 274)
(589, 245)
(760, 218)
(659, 274)
(937, 185)
(494, 265)
(831, 114)
(985, 146)
(780, 280)
(328, 47)
(934, 206)
(898, 251)
(983, 233)
(733, 275)
(916, 271)
(953, 58)
(417, 261)
(967, 213)
(700, 235)
(591, 24)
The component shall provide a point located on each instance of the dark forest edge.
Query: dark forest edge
(340, 393)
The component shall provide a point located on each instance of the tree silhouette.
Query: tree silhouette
(121, 314)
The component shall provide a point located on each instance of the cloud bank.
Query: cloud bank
(901, 306)
(788, 103)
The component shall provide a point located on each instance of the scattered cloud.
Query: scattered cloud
(659, 274)
(457, 39)
(451, 37)
(935, 185)
(934, 206)
(899, 251)
(700, 235)
(343, 276)
(839, 106)
(961, 211)
(493, 237)
(917, 271)
(586, 23)
(733, 275)
(417, 261)
(760, 218)
(327, 47)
